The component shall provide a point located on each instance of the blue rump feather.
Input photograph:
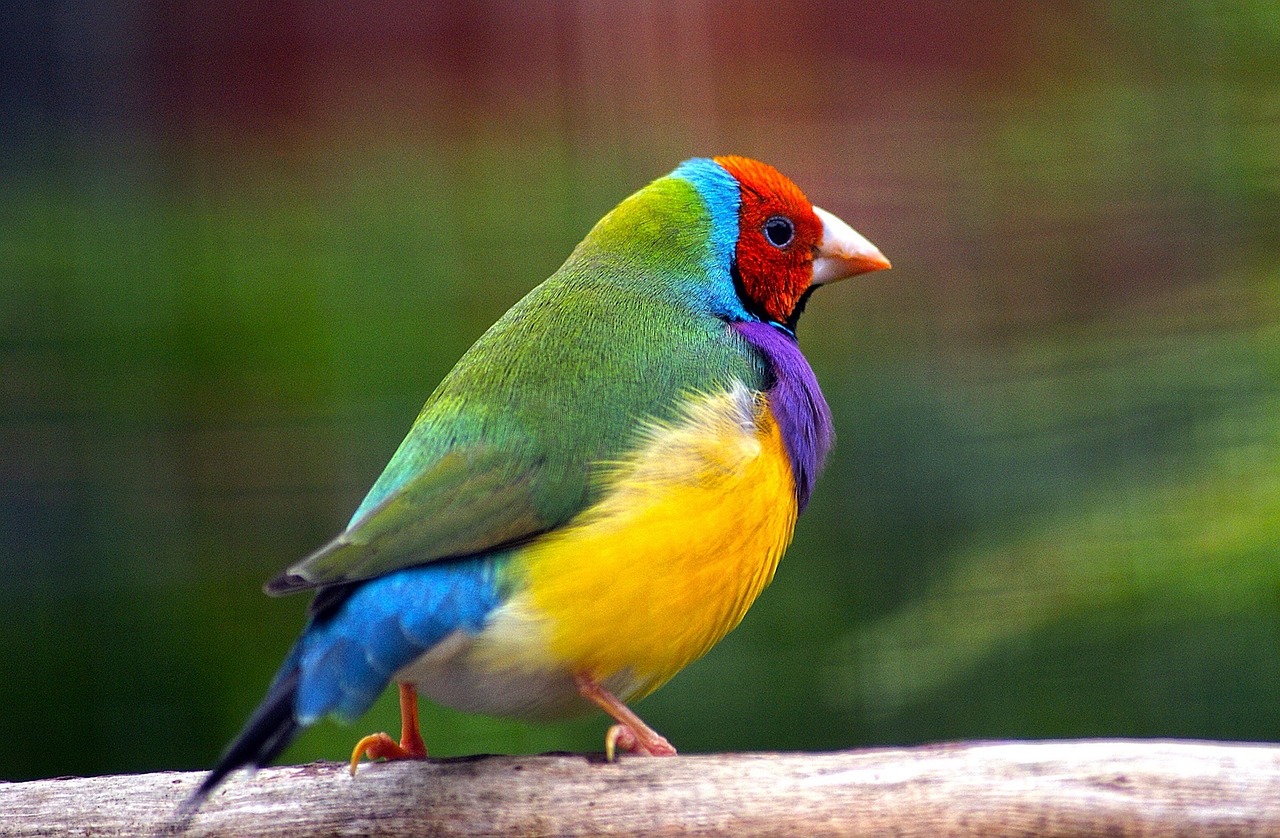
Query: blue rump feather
(345, 659)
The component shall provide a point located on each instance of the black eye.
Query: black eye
(779, 231)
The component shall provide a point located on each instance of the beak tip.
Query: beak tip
(844, 252)
(878, 262)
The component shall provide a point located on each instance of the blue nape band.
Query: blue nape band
(722, 198)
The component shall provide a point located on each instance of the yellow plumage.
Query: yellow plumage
(687, 535)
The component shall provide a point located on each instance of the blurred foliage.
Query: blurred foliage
(1054, 508)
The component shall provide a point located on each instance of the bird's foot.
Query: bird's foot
(623, 738)
(630, 734)
(382, 746)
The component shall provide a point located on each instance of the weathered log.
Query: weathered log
(1114, 788)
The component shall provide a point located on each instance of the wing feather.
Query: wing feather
(568, 379)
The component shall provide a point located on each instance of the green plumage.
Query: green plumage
(507, 445)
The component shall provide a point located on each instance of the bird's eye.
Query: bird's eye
(779, 231)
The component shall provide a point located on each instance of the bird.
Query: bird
(598, 490)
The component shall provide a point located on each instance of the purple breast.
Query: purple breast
(796, 401)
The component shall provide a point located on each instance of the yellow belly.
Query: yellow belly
(687, 535)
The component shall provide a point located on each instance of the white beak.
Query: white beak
(843, 252)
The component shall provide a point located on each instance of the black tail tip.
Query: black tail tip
(189, 807)
(180, 820)
(267, 732)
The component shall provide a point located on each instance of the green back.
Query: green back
(509, 444)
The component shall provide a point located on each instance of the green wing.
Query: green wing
(505, 448)
(472, 499)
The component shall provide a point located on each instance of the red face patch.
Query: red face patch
(778, 233)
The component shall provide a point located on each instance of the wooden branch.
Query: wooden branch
(1114, 788)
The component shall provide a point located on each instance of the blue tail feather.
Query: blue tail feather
(352, 648)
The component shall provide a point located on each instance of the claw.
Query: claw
(631, 734)
(623, 738)
(382, 746)
(615, 737)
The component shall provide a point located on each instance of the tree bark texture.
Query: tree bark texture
(1074, 788)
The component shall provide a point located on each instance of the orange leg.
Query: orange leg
(630, 733)
(382, 746)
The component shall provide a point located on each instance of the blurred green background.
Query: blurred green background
(241, 242)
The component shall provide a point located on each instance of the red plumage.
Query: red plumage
(774, 277)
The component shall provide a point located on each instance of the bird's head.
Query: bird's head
(778, 245)
(786, 246)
